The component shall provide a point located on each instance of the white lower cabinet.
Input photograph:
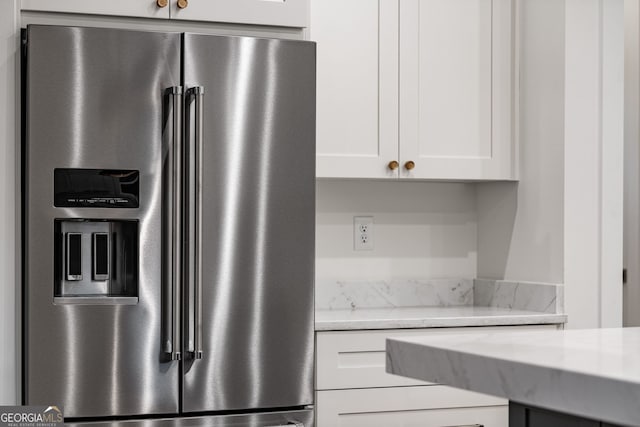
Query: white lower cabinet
(354, 390)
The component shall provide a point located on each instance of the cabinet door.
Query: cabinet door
(284, 13)
(426, 406)
(456, 89)
(144, 8)
(357, 87)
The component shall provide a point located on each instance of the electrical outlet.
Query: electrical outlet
(363, 233)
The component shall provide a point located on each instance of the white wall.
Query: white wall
(520, 225)
(582, 149)
(612, 161)
(422, 230)
(632, 163)
(593, 159)
(571, 122)
(9, 228)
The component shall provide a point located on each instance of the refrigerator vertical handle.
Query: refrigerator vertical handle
(173, 230)
(198, 96)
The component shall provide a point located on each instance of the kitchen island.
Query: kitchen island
(591, 374)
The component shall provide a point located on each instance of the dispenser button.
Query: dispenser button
(74, 256)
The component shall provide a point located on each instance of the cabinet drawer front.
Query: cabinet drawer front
(145, 9)
(433, 406)
(284, 13)
(356, 359)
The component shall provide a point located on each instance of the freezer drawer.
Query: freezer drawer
(303, 418)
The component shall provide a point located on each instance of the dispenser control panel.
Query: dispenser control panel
(96, 188)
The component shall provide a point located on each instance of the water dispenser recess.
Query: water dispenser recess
(96, 259)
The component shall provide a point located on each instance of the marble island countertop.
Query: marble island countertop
(430, 317)
(590, 373)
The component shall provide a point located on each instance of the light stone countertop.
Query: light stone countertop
(592, 373)
(429, 317)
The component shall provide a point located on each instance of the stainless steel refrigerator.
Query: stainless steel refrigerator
(168, 227)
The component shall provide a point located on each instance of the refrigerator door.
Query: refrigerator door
(255, 246)
(96, 100)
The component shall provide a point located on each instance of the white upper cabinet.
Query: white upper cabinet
(284, 13)
(357, 87)
(456, 89)
(138, 8)
(424, 83)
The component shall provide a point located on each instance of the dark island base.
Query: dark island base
(527, 416)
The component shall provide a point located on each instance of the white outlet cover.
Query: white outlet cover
(363, 233)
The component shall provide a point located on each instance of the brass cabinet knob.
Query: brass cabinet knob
(162, 3)
(409, 165)
(182, 4)
(393, 165)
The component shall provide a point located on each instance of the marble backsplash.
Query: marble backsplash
(543, 297)
(341, 295)
(351, 295)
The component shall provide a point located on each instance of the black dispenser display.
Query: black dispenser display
(96, 258)
(96, 188)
